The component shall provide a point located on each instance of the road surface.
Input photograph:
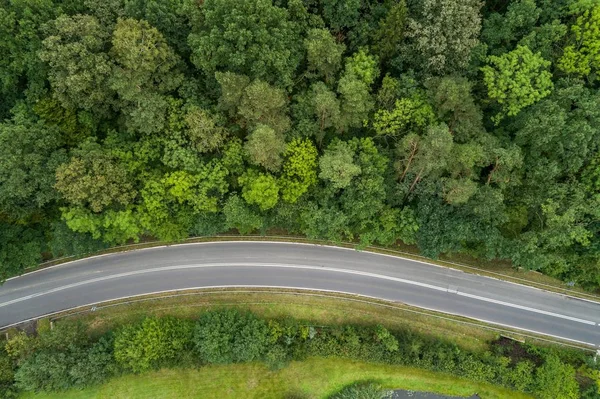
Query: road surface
(253, 264)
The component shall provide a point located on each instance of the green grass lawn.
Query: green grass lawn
(313, 378)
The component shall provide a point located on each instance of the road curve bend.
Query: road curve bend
(302, 266)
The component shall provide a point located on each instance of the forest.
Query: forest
(459, 126)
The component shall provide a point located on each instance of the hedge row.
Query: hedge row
(65, 356)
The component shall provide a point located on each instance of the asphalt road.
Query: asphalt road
(107, 277)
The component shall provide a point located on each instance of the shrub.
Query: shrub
(365, 390)
(555, 379)
(153, 343)
(230, 336)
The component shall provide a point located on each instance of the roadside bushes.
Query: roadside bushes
(60, 358)
(154, 343)
(65, 356)
(230, 336)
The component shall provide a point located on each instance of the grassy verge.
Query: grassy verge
(317, 307)
(313, 378)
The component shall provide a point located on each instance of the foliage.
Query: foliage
(583, 57)
(444, 33)
(260, 189)
(361, 391)
(266, 50)
(265, 147)
(516, 80)
(155, 342)
(230, 336)
(337, 119)
(299, 169)
(323, 54)
(337, 165)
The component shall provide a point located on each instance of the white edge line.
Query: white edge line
(366, 250)
(289, 266)
(291, 288)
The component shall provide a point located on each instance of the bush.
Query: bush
(45, 371)
(365, 390)
(96, 365)
(153, 343)
(555, 379)
(230, 336)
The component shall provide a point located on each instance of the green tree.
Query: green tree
(30, 152)
(264, 104)
(145, 70)
(203, 130)
(583, 56)
(249, 37)
(337, 164)
(410, 114)
(239, 216)
(260, 189)
(501, 31)
(390, 32)
(340, 14)
(153, 343)
(20, 248)
(554, 379)
(453, 103)
(230, 336)
(516, 80)
(264, 147)
(443, 34)
(299, 169)
(323, 53)
(79, 65)
(94, 178)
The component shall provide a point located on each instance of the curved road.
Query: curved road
(107, 277)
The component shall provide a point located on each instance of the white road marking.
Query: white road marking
(292, 288)
(331, 269)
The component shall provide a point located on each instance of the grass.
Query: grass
(313, 378)
(318, 308)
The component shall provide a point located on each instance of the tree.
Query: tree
(230, 336)
(171, 18)
(94, 178)
(424, 156)
(410, 114)
(390, 31)
(22, 72)
(79, 65)
(264, 104)
(203, 130)
(516, 80)
(30, 152)
(444, 33)
(146, 70)
(20, 248)
(500, 32)
(354, 89)
(337, 164)
(453, 103)
(299, 170)
(583, 56)
(239, 216)
(267, 49)
(341, 14)
(323, 53)
(264, 147)
(260, 189)
(554, 379)
(153, 343)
